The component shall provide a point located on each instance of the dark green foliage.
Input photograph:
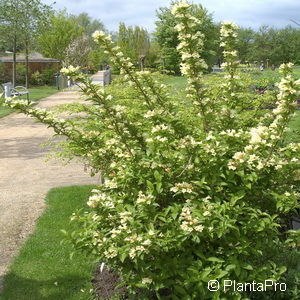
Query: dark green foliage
(167, 37)
(269, 45)
(46, 77)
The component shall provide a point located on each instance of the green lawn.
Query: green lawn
(43, 269)
(179, 83)
(294, 125)
(35, 94)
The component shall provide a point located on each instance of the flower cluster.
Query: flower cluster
(188, 222)
(70, 71)
(100, 199)
(191, 48)
(231, 84)
(144, 199)
(183, 187)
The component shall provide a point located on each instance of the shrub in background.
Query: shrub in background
(46, 77)
(21, 72)
(197, 188)
(36, 78)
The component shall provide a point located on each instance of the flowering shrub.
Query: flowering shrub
(196, 189)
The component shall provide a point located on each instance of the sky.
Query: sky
(245, 13)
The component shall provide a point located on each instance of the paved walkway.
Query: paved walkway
(102, 77)
(25, 177)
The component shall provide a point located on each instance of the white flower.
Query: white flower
(207, 213)
(226, 23)
(199, 228)
(111, 184)
(146, 280)
(111, 142)
(161, 139)
(179, 5)
(184, 187)
(69, 70)
(151, 232)
(206, 199)
(147, 199)
(257, 134)
(179, 27)
(232, 53)
(159, 128)
(239, 156)
(146, 242)
(119, 108)
(231, 166)
(132, 253)
(260, 165)
(185, 227)
(110, 253)
(98, 34)
(150, 113)
(286, 66)
(92, 204)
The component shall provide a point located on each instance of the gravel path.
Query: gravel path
(25, 177)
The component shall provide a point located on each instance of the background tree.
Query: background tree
(275, 45)
(11, 23)
(35, 16)
(85, 52)
(133, 41)
(167, 36)
(68, 35)
(20, 22)
(78, 51)
(289, 44)
(246, 37)
(88, 24)
(97, 59)
(55, 40)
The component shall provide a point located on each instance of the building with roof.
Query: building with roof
(37, 62)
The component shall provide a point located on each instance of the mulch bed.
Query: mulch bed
(106, 282)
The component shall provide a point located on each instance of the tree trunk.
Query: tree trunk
(14, 62)
(26, 65)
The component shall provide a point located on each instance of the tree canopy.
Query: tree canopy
(67, 33)
(167, 36)
(133, 41)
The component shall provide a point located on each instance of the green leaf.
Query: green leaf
(215, 259)
(248, 267)
(123, 256)
(150, 186)
(204, 274)
(222, 273)
(158, 187)
(230, 267)
(180, 289)
(157, 176)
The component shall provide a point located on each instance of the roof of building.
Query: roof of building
(33, 57)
